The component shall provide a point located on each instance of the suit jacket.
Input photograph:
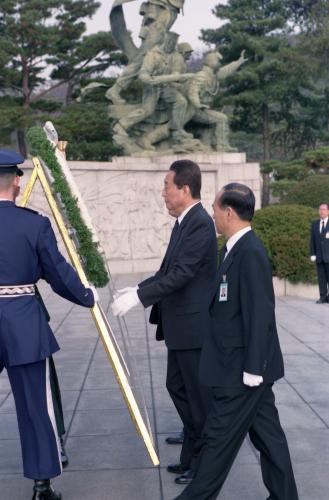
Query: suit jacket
(319, 243)
(243, 336)
(180, 290)
(28, 252)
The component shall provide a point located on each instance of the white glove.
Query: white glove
(95, 293)
(313, 258)
(252, 380)
(120, 292)
(124, 302)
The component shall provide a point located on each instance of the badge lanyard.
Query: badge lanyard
(223, 289)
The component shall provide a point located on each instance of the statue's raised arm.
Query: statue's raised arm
(157, 14)
(120, 31)
(232, 67)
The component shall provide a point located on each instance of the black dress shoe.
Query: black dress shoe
(64, 457)
(175, 439)
(185, 478)
(321, 301)
(177, 469)
(43, 491)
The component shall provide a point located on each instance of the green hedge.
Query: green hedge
(310, 192)
(92, 260)
(285, 232)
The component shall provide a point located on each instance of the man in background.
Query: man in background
(319, 249)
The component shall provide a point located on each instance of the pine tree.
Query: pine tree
(35, 34)
(267, 92)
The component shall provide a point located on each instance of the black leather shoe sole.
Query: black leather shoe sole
(179, 439)
(176, 469)
(174, 440)
(51, 495)
(185, 478)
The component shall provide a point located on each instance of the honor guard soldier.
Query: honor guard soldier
(28, 252)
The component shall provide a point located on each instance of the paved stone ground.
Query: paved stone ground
(108, 459)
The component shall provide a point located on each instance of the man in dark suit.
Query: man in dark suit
(319, 249)
(241, 359)
(28, 251)
(180, 293)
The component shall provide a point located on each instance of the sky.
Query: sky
(197, 14)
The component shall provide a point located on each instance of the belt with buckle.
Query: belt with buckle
(9, 291)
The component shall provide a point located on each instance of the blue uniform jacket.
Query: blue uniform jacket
(28, 252)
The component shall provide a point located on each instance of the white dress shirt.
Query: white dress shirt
(182, 215)
(325, 223)
(249, 379)
(235, 238)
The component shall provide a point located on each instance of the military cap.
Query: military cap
(9, 161)
(184, 47)
(179, 4)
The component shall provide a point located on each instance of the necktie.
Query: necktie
(174, 234)
(173, 239)
(222, 254)
(322, 227)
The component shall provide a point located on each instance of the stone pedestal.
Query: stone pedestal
(128, 211)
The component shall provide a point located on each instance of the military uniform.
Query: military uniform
(28, 252)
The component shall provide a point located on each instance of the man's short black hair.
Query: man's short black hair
(324, 203)
(187, 173)
(239, 197)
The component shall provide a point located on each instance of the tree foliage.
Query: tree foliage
(310, 191)
(41, 35)
(302, 181)
(281, 94)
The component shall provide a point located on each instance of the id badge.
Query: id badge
(223, 290)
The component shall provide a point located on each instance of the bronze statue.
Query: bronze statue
(200, 92)
(174, 115)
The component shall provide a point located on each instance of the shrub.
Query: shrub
(291, 259)
(285, 232)
(310, 192)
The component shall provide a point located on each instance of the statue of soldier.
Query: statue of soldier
(173, 95)
(200, 91)
(158, 17)
(186, 51)
(156, 75)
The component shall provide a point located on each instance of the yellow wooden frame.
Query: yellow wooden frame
(97, 312)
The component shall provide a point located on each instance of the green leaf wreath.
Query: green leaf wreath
(92, 260)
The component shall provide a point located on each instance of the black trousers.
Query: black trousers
(233, 414)
(190, 399)
(323, 279)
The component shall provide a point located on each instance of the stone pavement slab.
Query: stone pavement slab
(108, 460)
